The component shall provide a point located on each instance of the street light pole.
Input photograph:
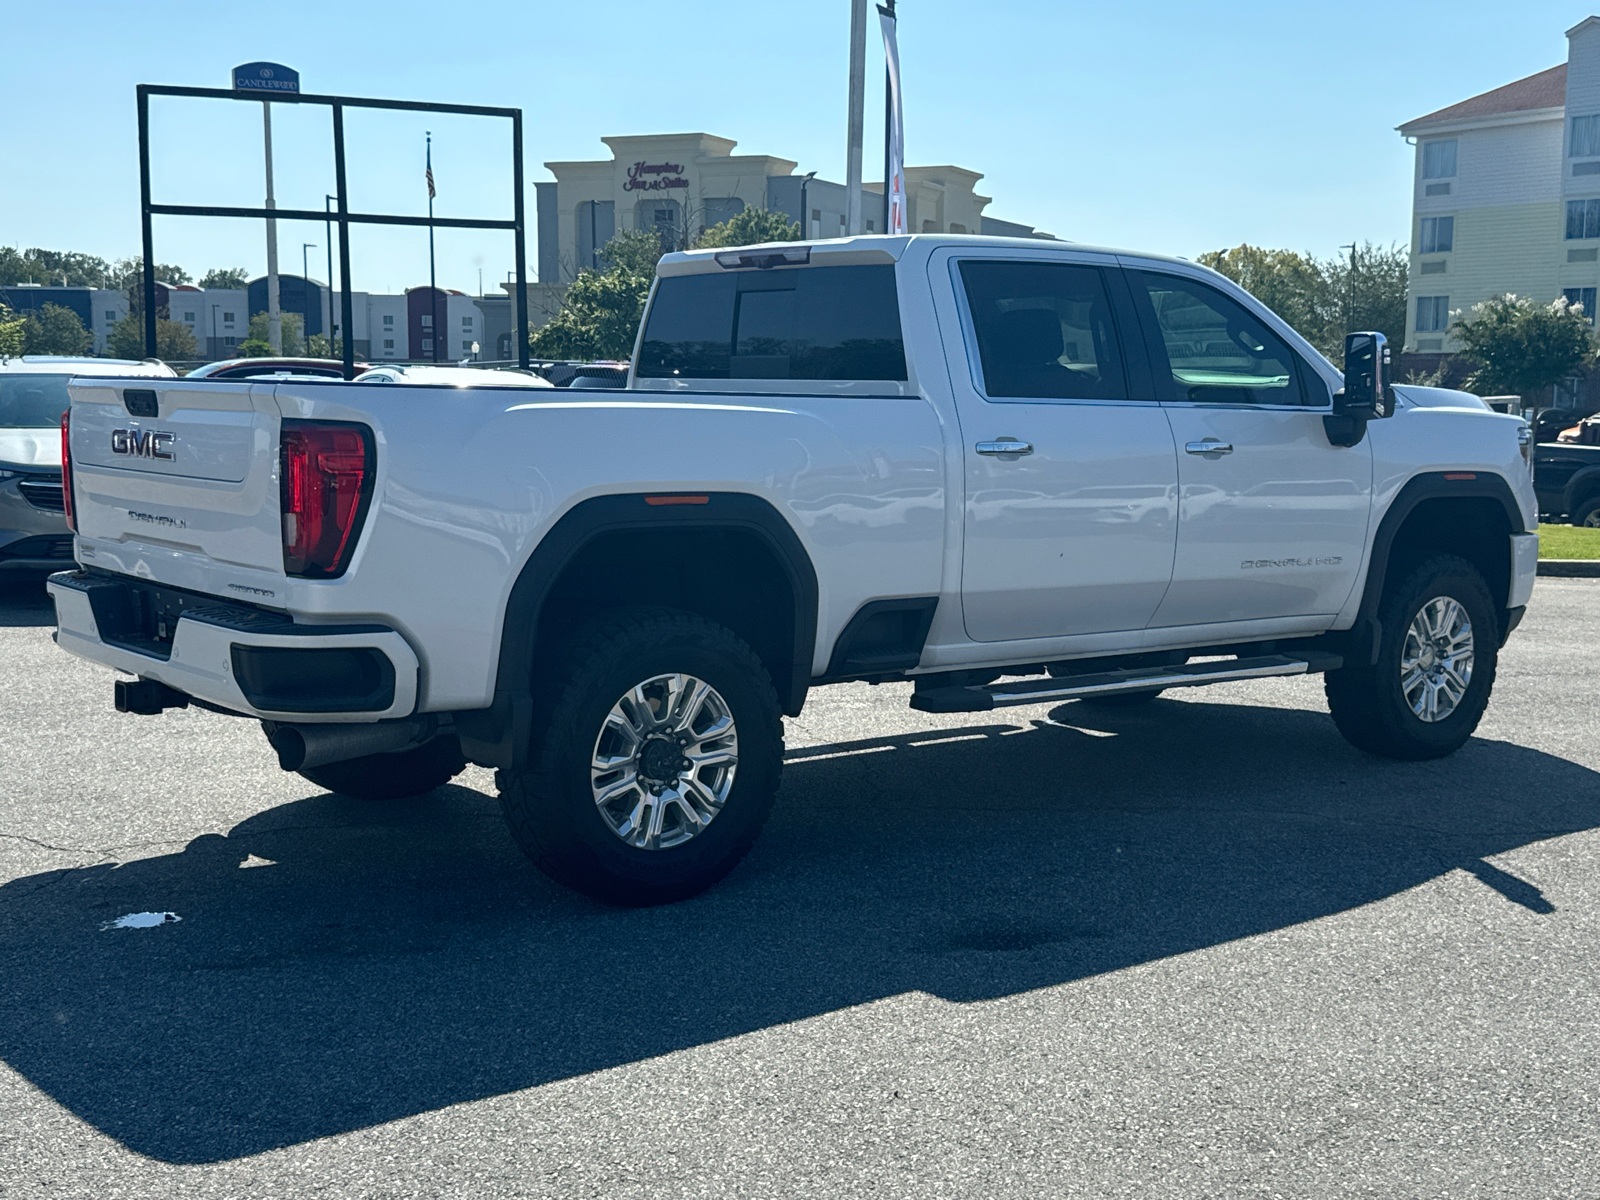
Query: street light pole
(805, 213)
(333, 326)
(211, 342)
(1350, 291)
(305, 291)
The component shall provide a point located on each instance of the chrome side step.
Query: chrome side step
(1048, 691)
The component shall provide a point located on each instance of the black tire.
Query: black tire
(1586, 512)
(1368, 702)
(1121, 699)
(551, 805)
(393, 776)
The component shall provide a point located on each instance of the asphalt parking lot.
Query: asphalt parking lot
(1204, 949)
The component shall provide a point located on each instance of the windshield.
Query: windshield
(33, 401)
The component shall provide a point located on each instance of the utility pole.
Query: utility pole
(858, 103)
(274, 315)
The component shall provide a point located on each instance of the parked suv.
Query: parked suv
(34, 538)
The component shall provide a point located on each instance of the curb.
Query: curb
(1571, 568)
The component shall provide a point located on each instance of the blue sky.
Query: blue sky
(1175, 127)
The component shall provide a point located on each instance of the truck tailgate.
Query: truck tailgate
(198, 478)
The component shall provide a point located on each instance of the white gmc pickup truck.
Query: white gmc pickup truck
(1009, 472)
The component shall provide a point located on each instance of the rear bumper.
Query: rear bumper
(245, 659)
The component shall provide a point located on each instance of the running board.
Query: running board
(1109, 683)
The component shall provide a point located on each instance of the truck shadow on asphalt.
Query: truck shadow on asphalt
(340, 964)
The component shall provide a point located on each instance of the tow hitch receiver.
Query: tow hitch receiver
(147, 697)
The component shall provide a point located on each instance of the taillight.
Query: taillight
(327, 469)
(66, 472)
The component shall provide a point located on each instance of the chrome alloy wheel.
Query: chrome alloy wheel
(1436, 661)
(1591, 519)
(664, 762)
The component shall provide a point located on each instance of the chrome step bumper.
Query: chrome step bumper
(1109, 683)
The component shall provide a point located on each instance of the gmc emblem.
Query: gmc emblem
(147, 444)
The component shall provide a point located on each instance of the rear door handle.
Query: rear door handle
(1004, 446)
(1210, 446)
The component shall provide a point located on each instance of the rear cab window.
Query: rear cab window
(823, 323)
(1044, 331)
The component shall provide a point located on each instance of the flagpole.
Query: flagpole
(895, 215)
(433, 288)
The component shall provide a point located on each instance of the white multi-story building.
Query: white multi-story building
(1506, 197)
(680, 183)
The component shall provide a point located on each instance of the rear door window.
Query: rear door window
(33, 401)
(818, 323)
(1218, 351)
(1044, 330)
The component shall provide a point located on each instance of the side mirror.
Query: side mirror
(1366, 395)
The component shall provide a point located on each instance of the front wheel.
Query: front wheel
(1438, 647)
(658, 764)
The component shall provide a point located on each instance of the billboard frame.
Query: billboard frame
(343, 217)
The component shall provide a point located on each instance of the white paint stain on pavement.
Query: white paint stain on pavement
(144, 920)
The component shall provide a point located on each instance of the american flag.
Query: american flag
(431, 193)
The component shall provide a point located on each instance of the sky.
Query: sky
(1163, 126)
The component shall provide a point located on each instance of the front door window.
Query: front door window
(1218, 351)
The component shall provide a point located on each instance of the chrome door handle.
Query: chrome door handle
(1004, 446)
(1210, 446)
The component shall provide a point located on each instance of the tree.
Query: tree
(1324, 299)
(174, 340)
(600, 313)
(1292, 285)
(291, 325)
(1370, 291)
(319, 346)
(750, 227)
(51, 267)
(254, 348)
(56, 330)
(13, 333)
(1522, 347)
(129, 273)
(225, 277)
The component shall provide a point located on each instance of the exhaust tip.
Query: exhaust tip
(291, 747)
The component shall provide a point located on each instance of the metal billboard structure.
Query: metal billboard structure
(343, 217)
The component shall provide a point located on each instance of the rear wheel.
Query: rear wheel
(1587, 513)
(658, 763)
(393, 776)
(1438, 648)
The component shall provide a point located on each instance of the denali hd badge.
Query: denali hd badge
(147, 444)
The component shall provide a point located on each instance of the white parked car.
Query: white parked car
(1009, 472)
(34, 538)
(460, 377)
